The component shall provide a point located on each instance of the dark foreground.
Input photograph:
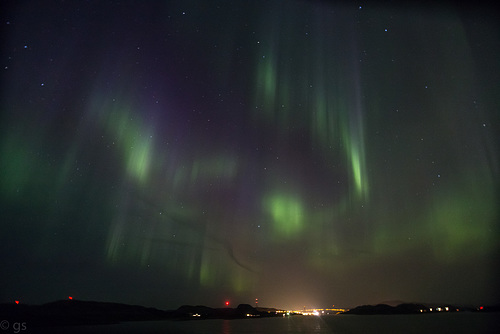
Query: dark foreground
(97, 317)
(443, 323)
(77, 312)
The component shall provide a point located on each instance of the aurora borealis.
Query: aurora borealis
(305, 153)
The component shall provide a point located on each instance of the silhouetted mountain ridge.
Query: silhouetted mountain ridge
(387, 309)
(79, 312)
(76, 312)
(418, 308)
(204, 312)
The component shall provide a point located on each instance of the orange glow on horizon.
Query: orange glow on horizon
(70, 297)
(17, 301)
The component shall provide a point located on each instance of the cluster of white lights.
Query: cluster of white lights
(437, 309)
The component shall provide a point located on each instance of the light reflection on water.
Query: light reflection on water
(226, 327)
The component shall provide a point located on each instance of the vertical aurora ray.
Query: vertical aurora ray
(325, 102)
(132, 137)
(354, 141)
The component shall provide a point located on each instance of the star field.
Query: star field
(302, 153)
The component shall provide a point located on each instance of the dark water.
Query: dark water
(477, 323)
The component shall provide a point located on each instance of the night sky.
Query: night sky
(305, 153)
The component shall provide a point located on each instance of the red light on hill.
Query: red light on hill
(70, 297)
(480, 307)
(17, 301)
(227, 302)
